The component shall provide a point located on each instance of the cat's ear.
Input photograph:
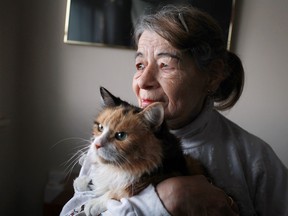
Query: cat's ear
(154, 114)
(108, 99)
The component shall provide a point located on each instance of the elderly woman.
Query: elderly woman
(182, 62)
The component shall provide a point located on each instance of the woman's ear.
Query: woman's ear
(217, 74)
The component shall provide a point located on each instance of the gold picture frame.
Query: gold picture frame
(110, 22)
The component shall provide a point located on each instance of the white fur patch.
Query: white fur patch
(107, 177)
(106, 180)
(81, 183)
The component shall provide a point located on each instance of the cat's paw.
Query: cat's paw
(94, 207)
(83, 183)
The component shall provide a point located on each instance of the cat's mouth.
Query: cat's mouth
(103, 157)
(107, 157)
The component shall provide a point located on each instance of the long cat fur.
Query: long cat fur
(148, 154)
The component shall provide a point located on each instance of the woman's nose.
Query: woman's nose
(148, 78)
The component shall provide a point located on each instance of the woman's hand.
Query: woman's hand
(194, 195)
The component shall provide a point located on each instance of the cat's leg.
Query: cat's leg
(83, 183)
(98, 205)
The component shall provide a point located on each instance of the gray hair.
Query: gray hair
(198, 34)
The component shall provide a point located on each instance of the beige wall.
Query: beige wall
(57, 88)
(261, 42)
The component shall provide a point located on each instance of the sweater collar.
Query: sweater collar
(198, 124)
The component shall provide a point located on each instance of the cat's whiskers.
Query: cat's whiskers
(125, 161)
(62, 141)
(121, 166)
(147, 159)
(76, 155)
(121, 161)
(71, 163)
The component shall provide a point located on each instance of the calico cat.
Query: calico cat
(131, 148)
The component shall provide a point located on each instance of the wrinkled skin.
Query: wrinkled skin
(164, 74)
(194, 195)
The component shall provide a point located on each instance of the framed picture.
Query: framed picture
(110, 22)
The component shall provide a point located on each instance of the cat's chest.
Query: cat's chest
(105, 176)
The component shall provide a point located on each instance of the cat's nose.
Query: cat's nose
(98, 145)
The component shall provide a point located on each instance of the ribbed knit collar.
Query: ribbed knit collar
(197, 125)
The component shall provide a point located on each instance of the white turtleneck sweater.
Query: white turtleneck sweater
(244, 166)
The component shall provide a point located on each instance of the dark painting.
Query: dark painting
(110, 22)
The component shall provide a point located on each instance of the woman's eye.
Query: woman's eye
(139, 66)
(163, 65)
(120, 136)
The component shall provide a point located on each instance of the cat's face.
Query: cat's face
(123, 136)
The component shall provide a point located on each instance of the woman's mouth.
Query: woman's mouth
(147, 102)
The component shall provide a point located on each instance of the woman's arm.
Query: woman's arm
(194, 195)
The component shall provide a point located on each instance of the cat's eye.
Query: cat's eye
(120, 136)
(99, 127)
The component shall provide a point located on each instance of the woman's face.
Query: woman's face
(164, 74)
